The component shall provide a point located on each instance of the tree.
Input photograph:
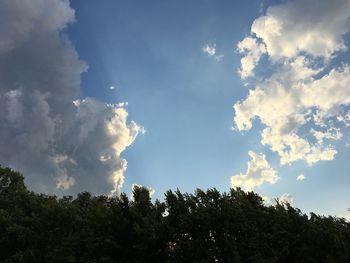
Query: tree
(207, 226)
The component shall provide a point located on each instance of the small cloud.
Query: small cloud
(286, 198)
(301, 177)
(112, 87)
(209, 49)
(65, 182)
(121, 104)
(330, 134)
(262, 8)
(142, 130)
(219, 57)
(258, 172)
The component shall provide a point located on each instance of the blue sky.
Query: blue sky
(153, 54)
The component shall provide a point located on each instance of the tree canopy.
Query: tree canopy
(207, 226)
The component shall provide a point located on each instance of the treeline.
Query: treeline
(201, 227)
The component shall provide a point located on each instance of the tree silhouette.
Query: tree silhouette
(207, 226)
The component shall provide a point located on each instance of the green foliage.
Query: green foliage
(201, 227)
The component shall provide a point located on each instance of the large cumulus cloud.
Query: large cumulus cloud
(47, 131)
(304, 103)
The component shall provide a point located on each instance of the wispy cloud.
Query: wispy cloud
(210, 50)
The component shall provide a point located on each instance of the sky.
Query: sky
(102, 95)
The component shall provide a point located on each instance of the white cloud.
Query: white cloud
(291, 98)
(301, 94)
(301, 177)
(286, 198)
(57, 144)
(258, 172)
(210, 50)
(117, 177)
(330, 134)
(253, 51)
(315, 27)
(112, 87)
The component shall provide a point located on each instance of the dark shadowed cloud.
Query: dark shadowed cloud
(47, 131)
